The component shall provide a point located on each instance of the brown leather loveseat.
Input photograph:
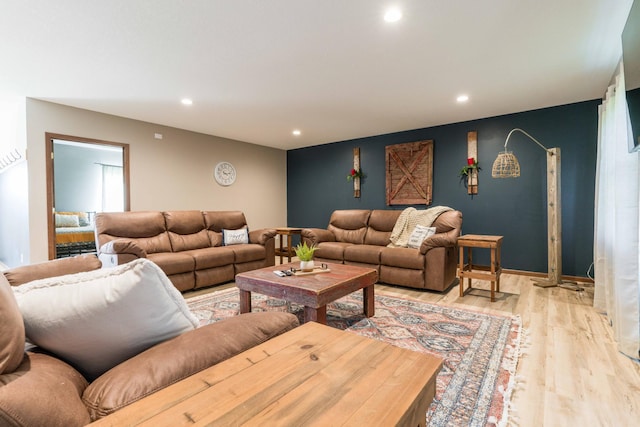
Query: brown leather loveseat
(188, 246)
(38, 388)
(360, 237)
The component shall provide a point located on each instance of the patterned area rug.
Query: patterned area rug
(480, 350)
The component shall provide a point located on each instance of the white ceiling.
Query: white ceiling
(257, 69)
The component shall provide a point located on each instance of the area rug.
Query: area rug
(480, 350)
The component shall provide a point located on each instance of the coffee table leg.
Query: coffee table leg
(245, 301)
(315, 314)
(368, 301)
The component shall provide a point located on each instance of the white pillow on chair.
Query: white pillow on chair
(97, 319)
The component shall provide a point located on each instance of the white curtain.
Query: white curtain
(112, 189)
(617, 231)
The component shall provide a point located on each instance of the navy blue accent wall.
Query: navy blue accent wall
(513, 208)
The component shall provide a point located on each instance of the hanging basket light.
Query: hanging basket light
(505, 166)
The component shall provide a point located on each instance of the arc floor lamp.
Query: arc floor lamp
(506, 165)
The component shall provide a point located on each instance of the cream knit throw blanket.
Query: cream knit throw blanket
(407, 221)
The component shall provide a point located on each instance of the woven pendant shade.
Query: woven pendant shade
(505, 166)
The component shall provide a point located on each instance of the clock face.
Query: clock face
(225, 173)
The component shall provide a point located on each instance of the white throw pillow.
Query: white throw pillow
(98, 319)
(419, 234)
(235, 237)
(67, 220)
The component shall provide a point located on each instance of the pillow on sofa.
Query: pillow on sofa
(12, 337)
(97, 319)
(235, 237)
(419, 234)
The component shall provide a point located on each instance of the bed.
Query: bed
(75, 233)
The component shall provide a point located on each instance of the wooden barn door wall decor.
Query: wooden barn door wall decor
(410, 173)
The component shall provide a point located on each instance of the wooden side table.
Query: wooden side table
(287, 249)
(491, 272)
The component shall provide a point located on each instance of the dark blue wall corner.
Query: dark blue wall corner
(513, 208)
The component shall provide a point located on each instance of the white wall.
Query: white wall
(14, 207)
(175, 173)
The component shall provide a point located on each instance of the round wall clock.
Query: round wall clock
(225, 173)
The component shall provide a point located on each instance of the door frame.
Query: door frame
(49, 161)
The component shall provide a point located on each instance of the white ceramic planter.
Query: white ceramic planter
(306, 265)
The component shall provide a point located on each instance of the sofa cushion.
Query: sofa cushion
(97, 319)
(173, 262)
(42, 391)
(403, 258)
(249, 252)
(57, 267)
(186, 230)
(349, 226)
(12, 338)
(168, 362)
(219, 220)
(331, 250)
(212, 257)
(185, 242)
(146, 227)
(381, 224)
(367, 254)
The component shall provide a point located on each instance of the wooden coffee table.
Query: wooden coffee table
(311, 375)
(313, 291)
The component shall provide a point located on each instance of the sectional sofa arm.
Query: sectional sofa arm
(440, 240)
(120, 251)
(261, 236)
(313, 236)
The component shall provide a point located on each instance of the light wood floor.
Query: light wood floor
(570, 373)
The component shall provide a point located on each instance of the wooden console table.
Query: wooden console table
(287, 249)
(491, 272)
(312, 375)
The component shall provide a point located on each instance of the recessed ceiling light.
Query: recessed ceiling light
(296, 132)
(186, 101)
(392, 15)
(462, 98)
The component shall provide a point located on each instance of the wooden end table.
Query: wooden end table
(311, 375)
(287, 249)
(313, 291)
(491, 272)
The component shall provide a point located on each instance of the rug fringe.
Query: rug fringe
(510, 364)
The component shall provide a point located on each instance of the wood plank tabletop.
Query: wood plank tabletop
(312, 375)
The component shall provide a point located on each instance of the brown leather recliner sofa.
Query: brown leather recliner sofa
(187, 245)
(360, 237)
(39, 389)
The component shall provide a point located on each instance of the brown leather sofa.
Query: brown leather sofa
(39, 389)
(187, 245)
(360, 237)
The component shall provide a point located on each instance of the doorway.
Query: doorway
(84, 176)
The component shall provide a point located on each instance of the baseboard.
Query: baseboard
(536, 274)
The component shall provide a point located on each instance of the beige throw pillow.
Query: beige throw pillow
(419, 234)
(12, 336)
(97, 319)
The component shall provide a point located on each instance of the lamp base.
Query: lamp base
(545, 283)
(572, 286)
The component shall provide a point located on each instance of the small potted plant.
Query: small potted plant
(305, 254)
